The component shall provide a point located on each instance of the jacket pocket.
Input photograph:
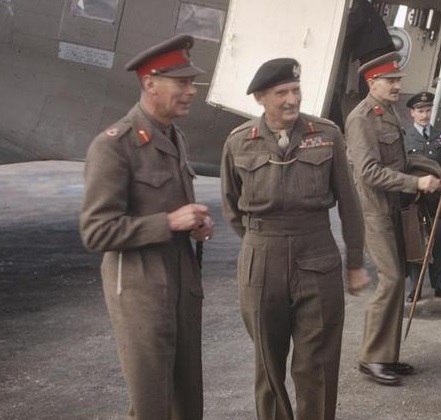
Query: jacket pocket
(155, 179)
(391, 147)
(313, 171)
(255, 172)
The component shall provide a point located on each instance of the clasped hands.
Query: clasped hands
(194, 218)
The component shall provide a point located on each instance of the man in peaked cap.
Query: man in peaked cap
(424, 139)
(139, 209)
(381, 172)
(280, 174)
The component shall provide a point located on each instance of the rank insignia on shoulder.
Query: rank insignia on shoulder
(112, 132)
(315, 142)
(378, 110)
(143, 137)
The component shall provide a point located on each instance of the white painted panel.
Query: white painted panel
(260, 30)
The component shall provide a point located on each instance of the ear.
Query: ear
(148, 84)
(258, 97)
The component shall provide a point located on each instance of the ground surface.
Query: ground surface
(57, 353)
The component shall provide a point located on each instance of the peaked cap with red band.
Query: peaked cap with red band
(170, 58)
(384, 66)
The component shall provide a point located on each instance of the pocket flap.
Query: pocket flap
(155, 179)
(315, 155)
(321, 264)
(389, 138)
(251, 161)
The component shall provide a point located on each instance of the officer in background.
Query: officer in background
(424, 139)
(139, 209)
(280, 175)
(376, 153)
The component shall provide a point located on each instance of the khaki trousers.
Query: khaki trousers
(384, 312)
(291, 288)
(157, 326)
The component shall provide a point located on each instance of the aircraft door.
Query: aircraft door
(308, 30)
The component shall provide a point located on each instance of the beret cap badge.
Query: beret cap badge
(296, 71)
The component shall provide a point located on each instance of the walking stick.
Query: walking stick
(424, 267)
(199, 252)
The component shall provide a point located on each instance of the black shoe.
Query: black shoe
(380, 373)
(400, 368)
(438, 293)
(409, 298)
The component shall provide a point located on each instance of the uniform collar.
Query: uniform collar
(148, 130)
(420, 128)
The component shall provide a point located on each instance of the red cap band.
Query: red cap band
(163, 62)
(387, 68)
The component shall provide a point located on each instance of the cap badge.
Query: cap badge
(296, 71)
(395, 63)
(424, 97)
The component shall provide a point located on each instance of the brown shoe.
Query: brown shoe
(379, 373)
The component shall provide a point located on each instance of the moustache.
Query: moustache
(289, 107)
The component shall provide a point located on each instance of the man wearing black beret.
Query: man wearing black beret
(139, 209)
(280, 174)
(424, 139)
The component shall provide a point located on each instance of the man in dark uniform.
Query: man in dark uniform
(281, 174)
(380, 167)
(424, 139)
(139, 210)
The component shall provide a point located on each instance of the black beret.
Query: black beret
(385, 65)
(273, 73)
(170, 58)
(421, 99)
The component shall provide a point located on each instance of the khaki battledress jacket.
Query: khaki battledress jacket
(289, 267)
(134, 176)
(376, 153)
(315, 180)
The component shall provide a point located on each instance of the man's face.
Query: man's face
(385, 89)
(421, 115)
(281, 103)
(171, 97)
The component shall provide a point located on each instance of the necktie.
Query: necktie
(425, 135)
(283, 140)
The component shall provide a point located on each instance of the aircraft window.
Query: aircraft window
(400, 18)
(201, 22)
(104, 10)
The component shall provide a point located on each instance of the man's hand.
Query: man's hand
(189, 217)
(204, 231)
(428, 184)
(357, 280)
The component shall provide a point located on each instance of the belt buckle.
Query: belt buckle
(256, 224)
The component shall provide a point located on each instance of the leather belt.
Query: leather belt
(292, 225)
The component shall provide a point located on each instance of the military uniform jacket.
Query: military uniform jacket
(134, 176)
(261, 180)
(378, 158)
(431, 148)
